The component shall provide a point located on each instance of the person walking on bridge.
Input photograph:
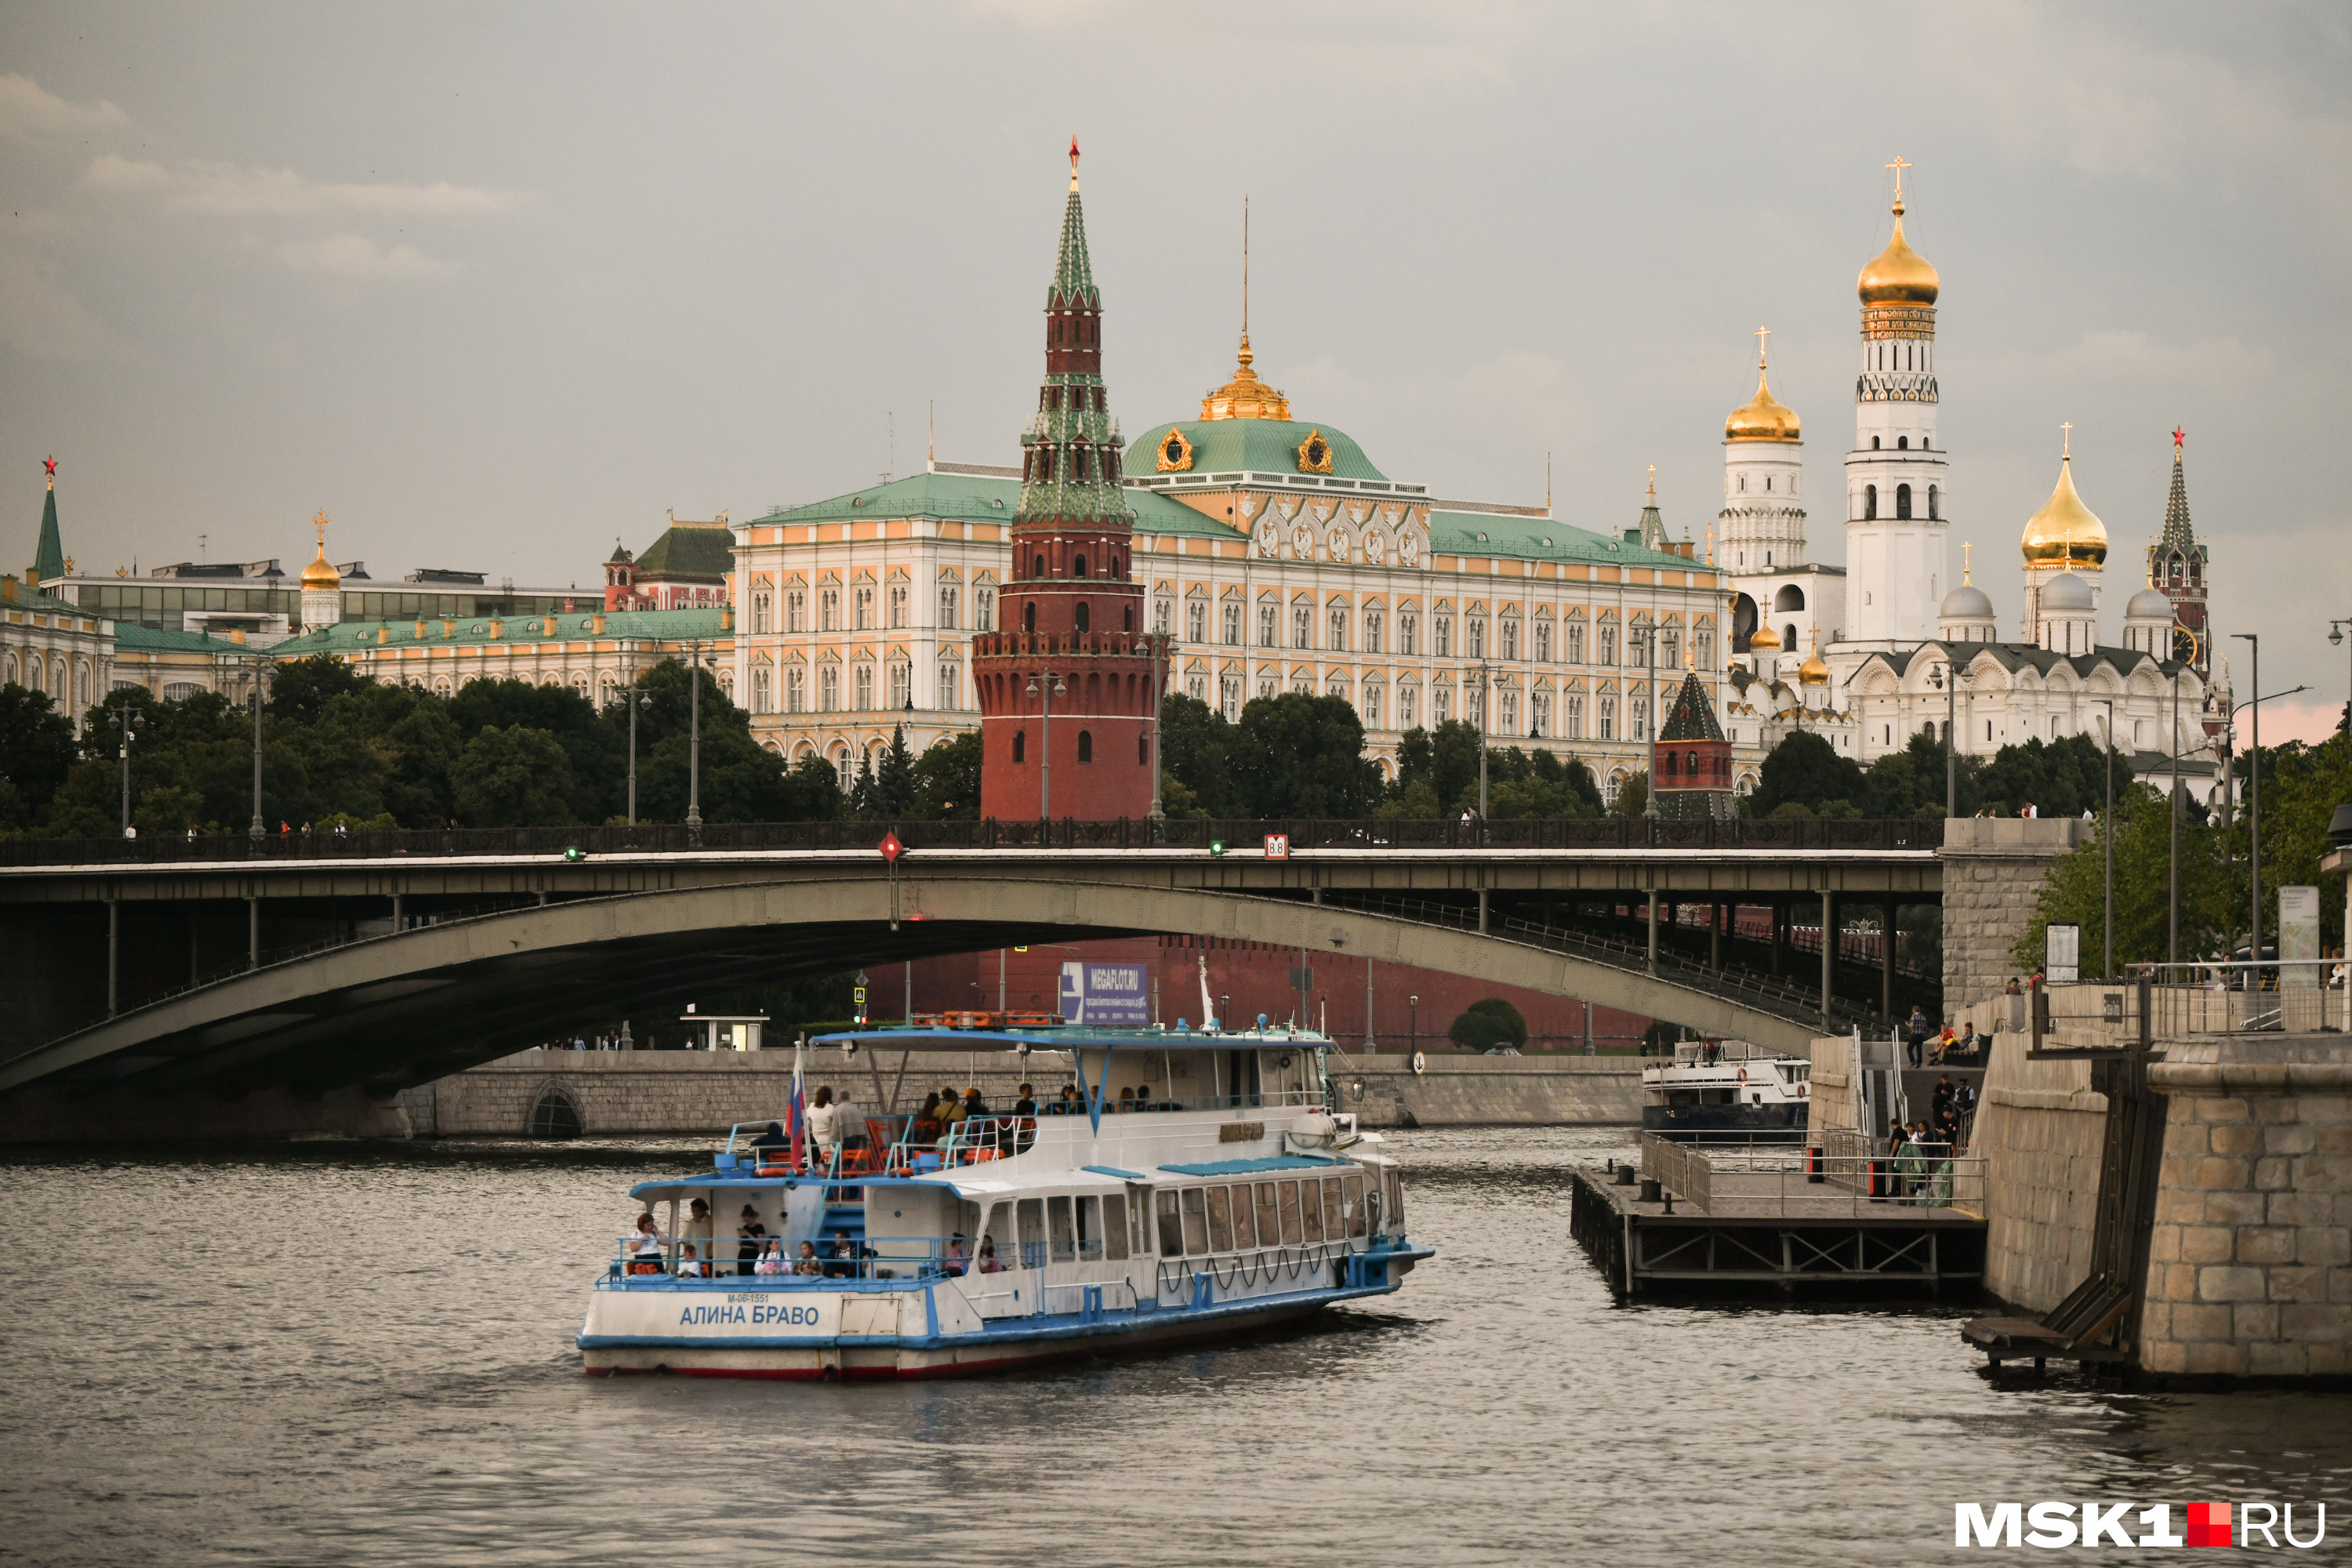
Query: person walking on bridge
(1917, 1033)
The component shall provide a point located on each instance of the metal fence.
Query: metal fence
(2158, 1001)
(1834, 1171)
(1125, 833)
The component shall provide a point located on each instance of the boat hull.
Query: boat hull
(1763, 1123)
(752, 1333)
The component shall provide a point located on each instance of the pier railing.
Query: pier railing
(2163, 1001)
(1123, 833)
(1835, 1171)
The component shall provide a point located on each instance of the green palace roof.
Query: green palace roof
(25, 596)
(689, 552)
(1250, 445)
(634, 626)
(981, 497)
(1539, 539)
(129, 637)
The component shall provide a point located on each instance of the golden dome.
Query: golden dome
(1813, 672)
(1245, 397)
(1764, 639)
(1898, 275)
(1762, 417)
(320, 573)
(2064, 532)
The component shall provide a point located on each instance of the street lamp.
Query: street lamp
(1053, 687)
(636, 697)
(260, 664)
(1647, 635)
(2255, 798)
(2335, 636)
(1414, 1004)
(1485, 685)
(2108, 841)
(126, 722)
(1951, 690)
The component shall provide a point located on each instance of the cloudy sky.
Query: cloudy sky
(496, 285)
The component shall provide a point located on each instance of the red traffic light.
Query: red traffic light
(890, 847)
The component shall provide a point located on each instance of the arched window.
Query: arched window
(1870, 499)
(1086, 745)
(1690, 763)
(1020, 745)
(1933, 515)
(1029, 616)
(1143, 751)
(1670, 764)
(1127, 618)
(1903, 502)
(1040, 565)
(1078, 566)
(1903, 443)
(1085, 617)
(1873, 443)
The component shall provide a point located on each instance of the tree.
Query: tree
(1297, 755)
(1633, 795)
(36, 748)
(2064, 777)
(512, 777)
(947, 779)
(1805, 770)
(2213, 893)
(894, 778)
(1195, 750)
(594, 745)
(1910, 782)
(1539, 785)
(812, 790)
(1514, 1021)
(300, 690)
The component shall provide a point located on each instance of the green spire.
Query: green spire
(49, 555)
(1074, 275)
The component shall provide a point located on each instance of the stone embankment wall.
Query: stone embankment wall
(2040, 1127)
(616, 1092)
(2249, 1262)
(1993, 871)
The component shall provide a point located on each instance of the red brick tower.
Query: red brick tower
(1070, 620)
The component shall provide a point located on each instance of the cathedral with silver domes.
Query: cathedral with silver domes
(1865, 654)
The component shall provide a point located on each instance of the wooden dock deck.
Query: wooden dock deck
(1761, 1227)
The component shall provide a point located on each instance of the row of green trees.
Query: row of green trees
(1804, 776)
(2302, 786)
(338, 748)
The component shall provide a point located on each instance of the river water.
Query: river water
(361, 1353)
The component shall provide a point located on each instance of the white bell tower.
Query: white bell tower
(1898, 493)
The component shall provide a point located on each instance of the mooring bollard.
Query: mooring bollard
(1650, 1189)
(1624, 1176)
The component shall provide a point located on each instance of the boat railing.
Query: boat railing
(776, 1262)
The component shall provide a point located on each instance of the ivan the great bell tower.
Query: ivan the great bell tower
(1066, 684)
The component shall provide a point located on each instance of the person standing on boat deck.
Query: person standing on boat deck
(747, 1250)
(775, 1137)
(1917, 1031)
(824, 1123)
(697, 1227)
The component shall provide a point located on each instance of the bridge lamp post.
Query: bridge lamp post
(2108, 841)
(1052, 688)
(1647, 635)
(258, 830)
(636, 697)
(1486, 687)
(2255, 798)
(127, 723)
(1414, 1036)
(694, 744)
(1948, 677)
(2335, 636)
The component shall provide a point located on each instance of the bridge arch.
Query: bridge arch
(395, 1010)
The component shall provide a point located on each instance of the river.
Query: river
(361, 1353)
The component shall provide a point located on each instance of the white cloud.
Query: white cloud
(356, 257)
(40, 320)
(229, 190)
(27, 110)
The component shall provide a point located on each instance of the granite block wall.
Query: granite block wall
(1993, 871)
(2040, 1127)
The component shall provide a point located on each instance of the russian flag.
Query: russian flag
(798, 1114)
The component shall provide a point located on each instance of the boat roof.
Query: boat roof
(1068, 1037)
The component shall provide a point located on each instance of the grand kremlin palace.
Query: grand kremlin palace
(1278, 558)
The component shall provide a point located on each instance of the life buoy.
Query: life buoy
(1420, 1063)
(1743, 1075)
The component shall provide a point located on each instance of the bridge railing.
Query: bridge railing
(1799, 834)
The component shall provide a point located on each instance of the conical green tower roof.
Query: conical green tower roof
(1073, 274)
(49, 555)
(2178, 534)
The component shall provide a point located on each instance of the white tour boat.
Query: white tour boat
(1726, 1087)
(1226, 1198)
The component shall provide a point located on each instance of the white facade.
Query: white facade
(1898, 491)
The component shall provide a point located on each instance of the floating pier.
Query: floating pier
(1826, 1213)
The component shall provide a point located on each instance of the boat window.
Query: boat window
(1221, 1224)
(1291, 1236)
(1033, 1233)
(1172, 1230)
(1058, 1221)
(1355, 1188)
(1196, 1225)
(1394, 1208)
(1269, 1228)
(1335, 1224)
(1245, 1233)
(1114, 1231)
(1310, 1207)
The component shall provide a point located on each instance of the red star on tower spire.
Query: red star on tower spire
(50, 464)
(2178, 436)
(1074, 160)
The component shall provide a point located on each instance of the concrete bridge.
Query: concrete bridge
(389, 963)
